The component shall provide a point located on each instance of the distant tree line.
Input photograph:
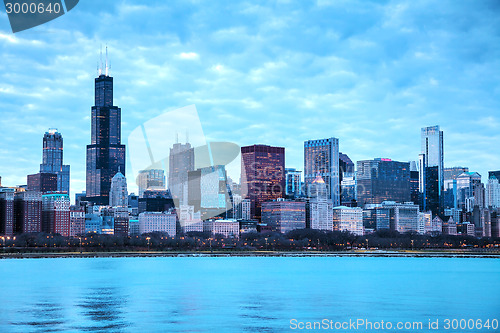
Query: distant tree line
(296, 240)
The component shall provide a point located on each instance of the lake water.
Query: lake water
(241, 294)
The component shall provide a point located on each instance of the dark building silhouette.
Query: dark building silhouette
(381, 180)
(415, 196)
(27, 212)
(432, 197)
(105, 154)
(6, 212)
(156, 201)
(262, 175)
(495, 174)
(345, 164)
(43, 182)
(52, 159)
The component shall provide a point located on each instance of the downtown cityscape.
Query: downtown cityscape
(333, 194)
(245, 166)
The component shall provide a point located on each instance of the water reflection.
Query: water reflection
(103, 308)
(42, 316)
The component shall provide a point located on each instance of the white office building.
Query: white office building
(348, 219)
(158, 221)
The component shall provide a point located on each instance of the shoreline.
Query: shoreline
(194, 254)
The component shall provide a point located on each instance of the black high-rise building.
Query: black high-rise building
(432, 197)
(381, 180)
(105, 154)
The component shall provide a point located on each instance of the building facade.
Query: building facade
(43, 182)
(118, 194)
(293, 183)
(105, 154)
(28, 212)
(55, 214)
(382, 180)
(76, 221)
(348, 219)
(158, 221)
(321, 157)
(284, 216)
(52, 160)
(262, 175)
(181, 162)
(227, 228)
(150, 179)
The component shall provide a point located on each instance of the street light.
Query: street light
(266, 243)
(148, 238)
(80, 238)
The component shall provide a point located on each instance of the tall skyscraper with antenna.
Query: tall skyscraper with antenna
(105, 154)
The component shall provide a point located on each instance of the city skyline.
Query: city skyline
(282, 94)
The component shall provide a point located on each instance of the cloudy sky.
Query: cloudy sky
(370, 73)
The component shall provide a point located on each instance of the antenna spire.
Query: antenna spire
(107, 68)
(100, 62)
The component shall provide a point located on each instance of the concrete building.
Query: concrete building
(120, 221)
(319, 209)
(449, 226)
(55, 213)
(158, 221)
(118, 194)
(348, 219)
(28, 211)
(436, 226)
(228, 228)
(76, 221)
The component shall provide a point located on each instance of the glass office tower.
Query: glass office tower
(52, 159)
(433, 149)
(382, 180)
(262, 175)
(321, 158)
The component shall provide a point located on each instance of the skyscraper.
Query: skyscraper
(293, 182)
(321, 158)
(433, 150)
(7, 211)
(208, 191)
(105, 154)
(262, 175)
(181, 161)
(150, 179)
(118, 195)
(52, 159)
(381, 180)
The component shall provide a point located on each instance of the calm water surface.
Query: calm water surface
(250, 294)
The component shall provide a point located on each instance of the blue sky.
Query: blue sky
(370, 73)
